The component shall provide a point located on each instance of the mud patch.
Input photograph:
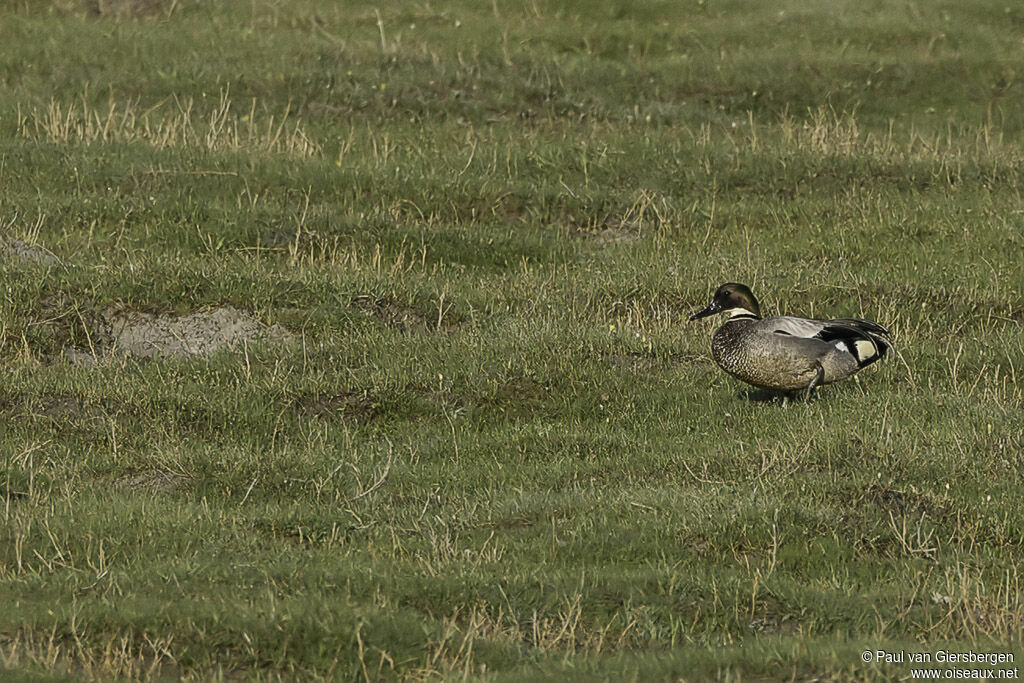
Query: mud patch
(516, 523)
(522, 389)
(130, 8)
(647, 362)
(649, 213)
(59, 408)
(611, 231)
(394, 314)
(901, 503)
(19, 250)
(10, 494)
(771, 616)
(151, 480)
(774, 626)
(147, 335)
(66, 408)
(515, 397)
(350, 405)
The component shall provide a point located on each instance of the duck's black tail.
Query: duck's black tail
(865, 340)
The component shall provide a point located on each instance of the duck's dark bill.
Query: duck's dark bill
(711, 309)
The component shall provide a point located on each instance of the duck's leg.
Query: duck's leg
(819, 375)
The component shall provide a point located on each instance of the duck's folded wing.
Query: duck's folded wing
(862, 339)
(867, 325)
(795, 327)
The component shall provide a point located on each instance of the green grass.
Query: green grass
(494, 449)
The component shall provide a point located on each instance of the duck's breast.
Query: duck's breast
(757, 355)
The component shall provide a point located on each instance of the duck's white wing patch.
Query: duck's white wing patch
(865, 349)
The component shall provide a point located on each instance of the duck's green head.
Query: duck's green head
(733, 298)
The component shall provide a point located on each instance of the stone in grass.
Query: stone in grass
(146, 335)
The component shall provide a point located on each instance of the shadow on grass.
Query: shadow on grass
(779, 398)
(763, 396)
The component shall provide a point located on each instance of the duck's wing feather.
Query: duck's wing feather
(805, 328)
(869, 326)
(862, 339)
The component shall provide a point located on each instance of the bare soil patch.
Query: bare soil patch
(20, 250)
(148, 335)
(611, 230)
(56, 407)
(638, 361)
(902, 502)
(151, 480)
(131, 8)
(353, 405)
(395, 314)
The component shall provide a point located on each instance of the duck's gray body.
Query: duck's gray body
(787, 353)
(765, 354)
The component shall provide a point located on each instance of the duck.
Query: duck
(785, 353)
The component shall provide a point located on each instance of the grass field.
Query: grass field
(490, 446)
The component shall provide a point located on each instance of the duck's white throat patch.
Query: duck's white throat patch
(737, 312)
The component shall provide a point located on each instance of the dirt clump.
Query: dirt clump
(151, 480)
(131, 8)
(148, 335)
(353, 405)
(20, 250)
(395, 314)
